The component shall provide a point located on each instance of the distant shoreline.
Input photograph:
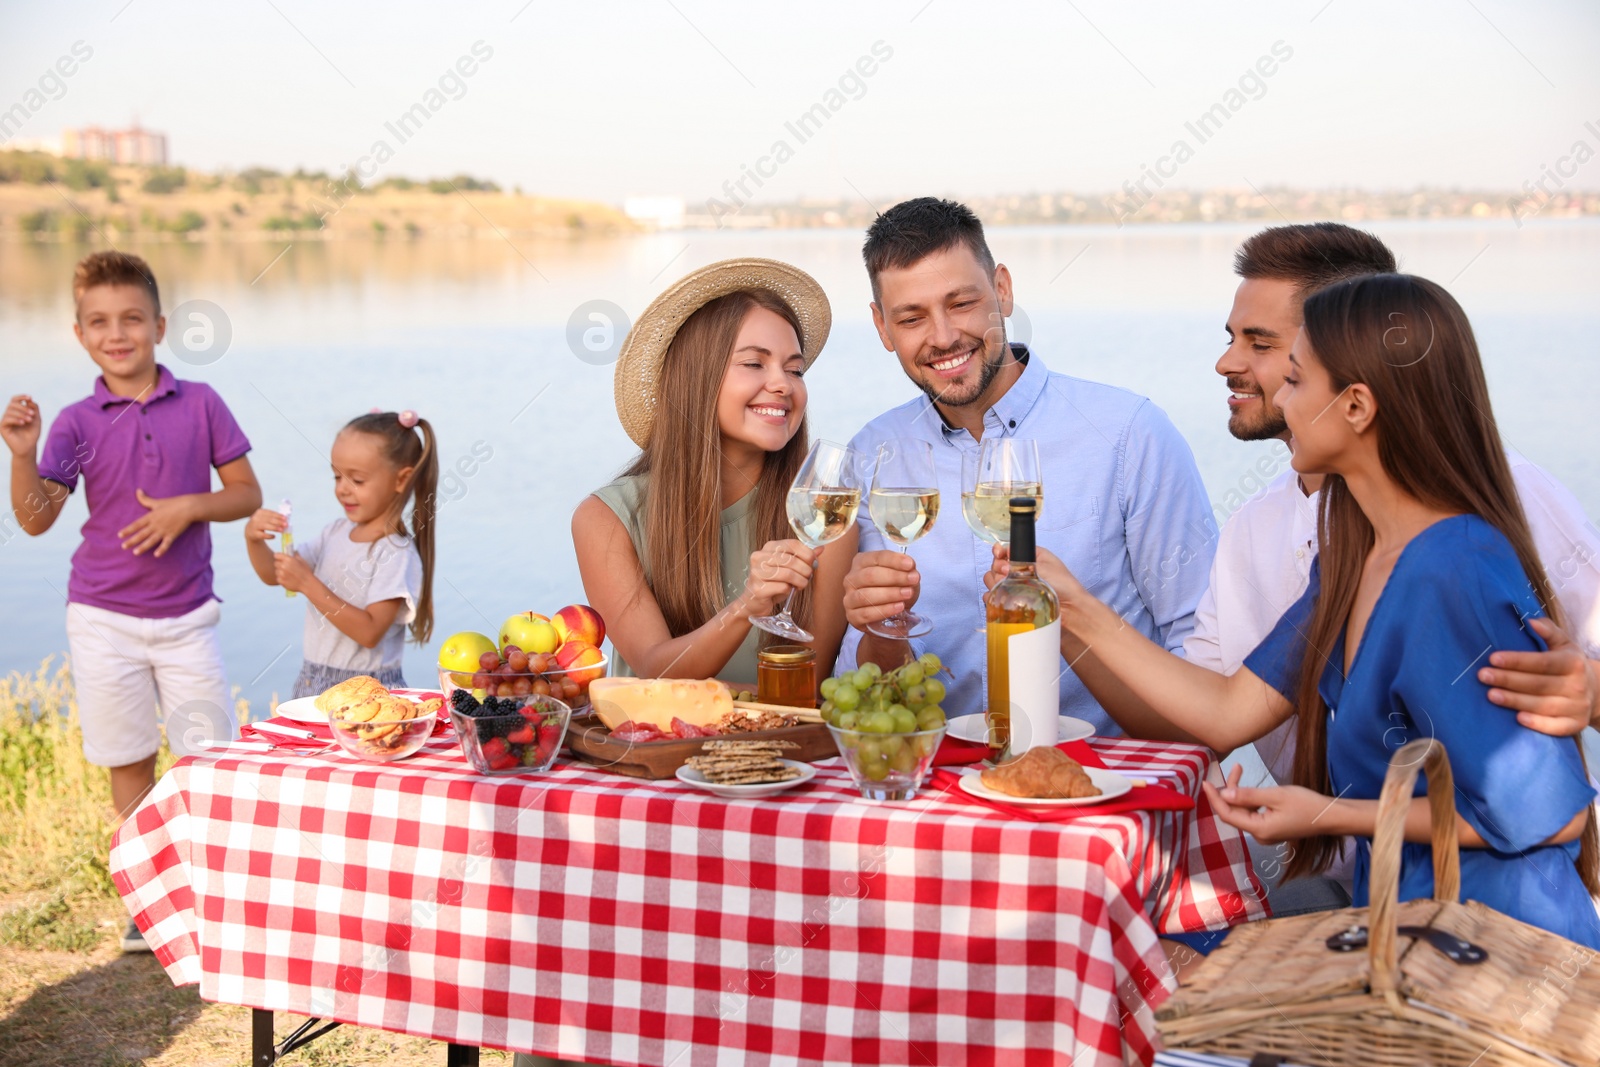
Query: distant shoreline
(47, 199)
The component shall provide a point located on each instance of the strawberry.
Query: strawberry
(522, 736)
(494, 748)
(507, 760)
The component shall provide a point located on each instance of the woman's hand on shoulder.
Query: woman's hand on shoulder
(263, 524)
(776, 568)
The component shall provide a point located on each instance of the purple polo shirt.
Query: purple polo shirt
(166, 446)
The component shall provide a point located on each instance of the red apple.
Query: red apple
(579, 622)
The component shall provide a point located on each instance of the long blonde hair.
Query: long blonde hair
(1438, 442)
(683, 494)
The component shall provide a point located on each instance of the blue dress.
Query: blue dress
(1456, 592)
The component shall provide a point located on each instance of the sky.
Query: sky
(685, 98)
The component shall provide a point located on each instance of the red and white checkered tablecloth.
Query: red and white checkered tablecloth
(589, 916)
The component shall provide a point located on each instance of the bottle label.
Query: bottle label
(1035, 668)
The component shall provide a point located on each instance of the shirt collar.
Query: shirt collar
(1008, 412)
(166, 385)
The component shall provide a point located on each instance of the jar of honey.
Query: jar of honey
(787, 674)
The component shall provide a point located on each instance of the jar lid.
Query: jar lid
(786, 654)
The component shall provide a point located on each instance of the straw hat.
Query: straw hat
(638, 373)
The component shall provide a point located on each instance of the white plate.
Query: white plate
(972, 728)
(304, 709)
(1111, 784)
(690, 776)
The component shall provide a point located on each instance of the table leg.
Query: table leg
(461, 1056)
(262, 1052)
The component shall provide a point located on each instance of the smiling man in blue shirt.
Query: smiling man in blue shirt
(1124, 506)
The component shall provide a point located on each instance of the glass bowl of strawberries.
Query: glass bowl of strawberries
(508, 735)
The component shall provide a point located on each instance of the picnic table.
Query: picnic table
(589, 916)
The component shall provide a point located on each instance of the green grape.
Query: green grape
(862, 679)
(828, 686)
(930, 664)
(905, 720)
(846, 720)
(936, 690)
(846, 697)
(891, 744)
(930, 718)
(879, 722)
(916, 697)
(875, 771)
(925, 745)
(871, 748)
(911, 673)
(873, 670)
(905, 761)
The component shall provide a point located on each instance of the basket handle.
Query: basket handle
(1384, 889)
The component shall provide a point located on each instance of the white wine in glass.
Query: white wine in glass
(822, 506)
(819, 516)
(904, 504)
(993, 473)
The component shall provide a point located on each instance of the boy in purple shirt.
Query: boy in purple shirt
(141, 615)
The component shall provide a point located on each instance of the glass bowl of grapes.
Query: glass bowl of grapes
(509, 735)
(887, 725)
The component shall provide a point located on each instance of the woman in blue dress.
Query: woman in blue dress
(1425, 565)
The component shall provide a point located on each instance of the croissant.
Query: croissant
(1043, 774)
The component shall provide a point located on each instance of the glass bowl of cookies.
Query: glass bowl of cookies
(385, 727)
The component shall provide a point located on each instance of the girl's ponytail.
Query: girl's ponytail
(420, 452)
(425, 494)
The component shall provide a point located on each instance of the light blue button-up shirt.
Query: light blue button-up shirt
(1124, 508)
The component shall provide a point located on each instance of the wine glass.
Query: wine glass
(822, 506)
(904, 503)
(991, 474)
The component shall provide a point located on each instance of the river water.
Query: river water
(473, 334)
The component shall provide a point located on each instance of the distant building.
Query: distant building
(659, 212)
(134, 145)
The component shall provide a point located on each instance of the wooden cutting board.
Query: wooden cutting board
(590, 740)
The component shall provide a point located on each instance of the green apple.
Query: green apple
(530, 632)
(460, 654)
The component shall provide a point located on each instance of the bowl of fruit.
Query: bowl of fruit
(887, 725)
(509, 735)
(535, 655)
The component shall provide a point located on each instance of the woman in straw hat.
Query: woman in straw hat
(692, 540)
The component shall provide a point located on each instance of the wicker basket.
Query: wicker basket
(1276, 987)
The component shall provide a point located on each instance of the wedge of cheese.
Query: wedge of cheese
(659, 700)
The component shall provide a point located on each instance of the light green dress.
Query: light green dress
(625, 497)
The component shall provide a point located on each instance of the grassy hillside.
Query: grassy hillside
(45, 198)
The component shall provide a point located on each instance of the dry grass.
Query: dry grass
(68, 995)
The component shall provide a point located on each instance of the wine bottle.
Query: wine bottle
(1023, 631)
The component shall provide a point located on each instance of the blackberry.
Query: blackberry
(463, 701)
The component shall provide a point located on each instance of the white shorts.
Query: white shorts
(133, 674)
